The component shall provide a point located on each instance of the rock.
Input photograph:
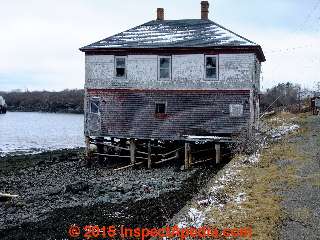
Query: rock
(77, 187)
(126, 188)
(55, 191)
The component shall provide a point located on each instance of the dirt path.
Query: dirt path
(301, 204)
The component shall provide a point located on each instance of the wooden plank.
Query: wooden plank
(190, 156)
(218, 154)
(186, 155)
(115, 146)
(132, 151)
(166, 160)
(203, 150)
(128, 166)
(202, 161)
(111, 155)
(149, 155)
(123, 148)
(6, 197)
(87, 144)
(173, 151)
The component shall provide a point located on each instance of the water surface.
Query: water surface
(28, 132)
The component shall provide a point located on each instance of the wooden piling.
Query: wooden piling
(190, 156)
(88, 151)
(132, 151)
(149, 155)
(100, 148)
(87, 144)
(186, 155)
(218, 153)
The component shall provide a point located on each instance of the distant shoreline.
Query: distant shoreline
(66, 101)
(40, 111)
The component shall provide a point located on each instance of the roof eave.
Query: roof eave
(257, 49)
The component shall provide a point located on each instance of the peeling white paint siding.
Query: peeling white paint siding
(236, 68)
(234, 71)
(257, 73)
(99, 69)
(142, 68)
(188, 67)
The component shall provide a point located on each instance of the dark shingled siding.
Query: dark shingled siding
(131, 114)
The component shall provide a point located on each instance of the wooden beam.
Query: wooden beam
(218, 154)
(132, 151)
(202, 161)
(128, 166)
(166, 160)
(203, 150)
(190, 156)
(173, 151)
(87, 144)
(6, 197)
(111, 155)
(186, 155)
(149, 155)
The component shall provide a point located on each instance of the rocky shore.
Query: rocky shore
(56, 190)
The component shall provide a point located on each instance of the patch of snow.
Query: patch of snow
(241, 197)
(284, 129)
(197, 217)
(203, 137)
(183, 224)
(254, 158)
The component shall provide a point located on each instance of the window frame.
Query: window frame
(125, 66)
(160, 115)
(217, 68)
(236, 104)
(170, 67)
(91, 101)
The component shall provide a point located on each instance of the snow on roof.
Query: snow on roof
(173, 33)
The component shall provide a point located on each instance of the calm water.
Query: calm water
(26, 132)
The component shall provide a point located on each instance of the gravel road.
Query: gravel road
(302, 203)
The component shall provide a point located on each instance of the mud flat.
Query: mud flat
(58, 189)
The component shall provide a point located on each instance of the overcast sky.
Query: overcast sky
(39, 39)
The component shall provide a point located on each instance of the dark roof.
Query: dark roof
(186, 33)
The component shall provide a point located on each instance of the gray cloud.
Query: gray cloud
(39, 40)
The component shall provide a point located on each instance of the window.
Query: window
(165, 68)
(211, 67)
(160, 108)
(236, 110)
(94, 105)
(120, 65)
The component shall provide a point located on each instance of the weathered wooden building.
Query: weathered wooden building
(172, 80)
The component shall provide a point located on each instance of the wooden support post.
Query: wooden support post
(100, 148)
(177, 154)
(218, 155)
(149, 155)
(186, 155)
(88, 151)
(132, 151)
(87, 143)
(190, 156)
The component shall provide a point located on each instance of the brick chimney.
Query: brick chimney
(160, 14)
(204, 10)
